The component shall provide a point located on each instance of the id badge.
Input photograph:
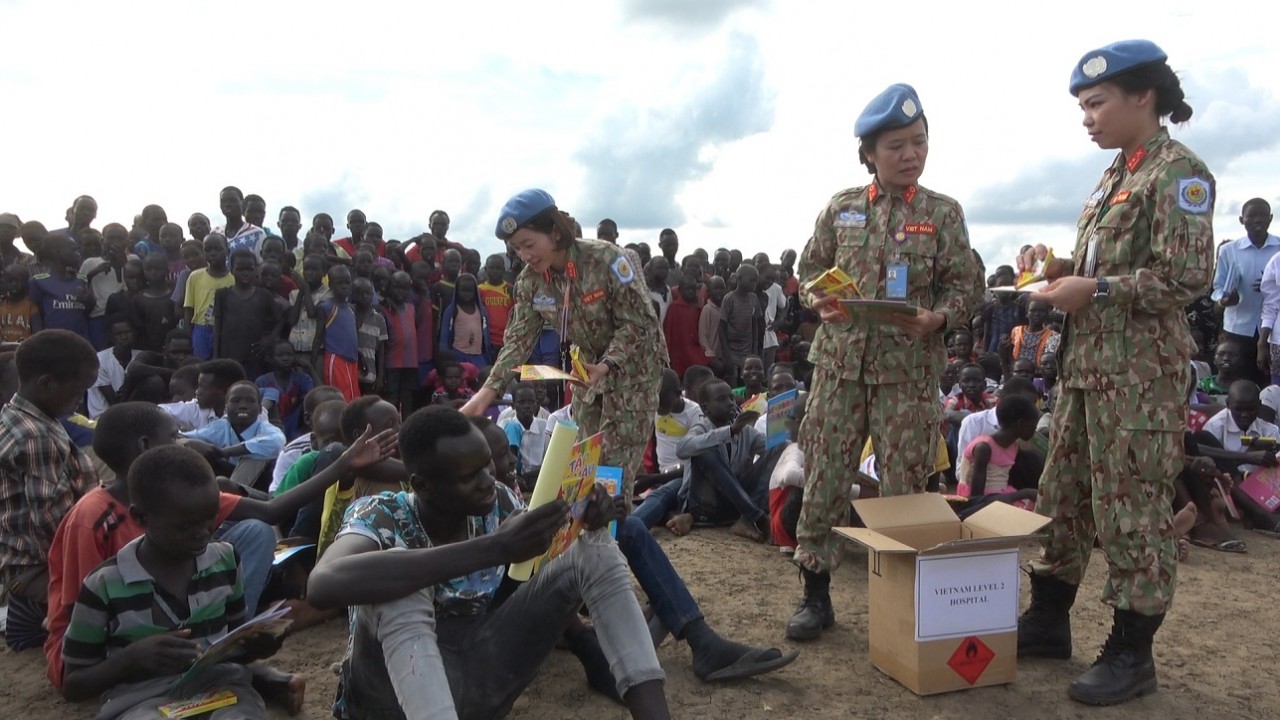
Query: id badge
(1091, 257)
(895, 281)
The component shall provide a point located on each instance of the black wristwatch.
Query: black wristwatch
(1102, 295)
(609, 363)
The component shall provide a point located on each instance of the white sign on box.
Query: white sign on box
(966, 594)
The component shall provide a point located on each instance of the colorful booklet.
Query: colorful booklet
(199, 705)
(575, 488)
(611, 478)
(1264, 487)
(535, 373)
(271, 621)
(872, 309)
(778, 426)
(834, 283)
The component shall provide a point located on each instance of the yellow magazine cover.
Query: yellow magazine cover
(199, 705)
(575, 489)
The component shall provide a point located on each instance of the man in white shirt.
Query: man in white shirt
(983, 422)
(1240, 420)
(1247, 286)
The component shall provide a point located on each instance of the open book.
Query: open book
(271, 621)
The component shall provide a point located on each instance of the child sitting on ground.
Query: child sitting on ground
(986, 462)
(361, 415)
(128, 638)
(242, 432)
(453, 391)
(786, 484)
(527, 435)
(112, 365)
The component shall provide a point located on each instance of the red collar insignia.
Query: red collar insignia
(570, 271)
(1135, 160)
(873, 192)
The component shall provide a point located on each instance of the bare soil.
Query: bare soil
(1216, 653)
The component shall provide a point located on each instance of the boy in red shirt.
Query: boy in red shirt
(681, 327)
(496, 295)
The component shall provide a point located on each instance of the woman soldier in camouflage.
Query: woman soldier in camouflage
(1143, 251)
(593, 295)
(877, 377)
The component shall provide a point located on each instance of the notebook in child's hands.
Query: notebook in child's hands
(1264, 487)
(271, 622)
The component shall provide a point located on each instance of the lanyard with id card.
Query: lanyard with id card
(895, 281)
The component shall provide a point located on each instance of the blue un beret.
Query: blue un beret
(898, 106)
(520, 209)
(1106, 62)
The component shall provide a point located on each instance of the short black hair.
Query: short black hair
(59, 353)
(1014, 409)
(288, 208)
(607, 222)
(189, 374)
(249, 384)
(119, 428)
(974, 366)
(1255, 201)
(1018, 385)
(225, 372)
(317, 395)
(232, 189)
(420, 434)
(329, 406)
(244, 254)
(482, 422)
(355, 417)
(706, 388)
(163, 470)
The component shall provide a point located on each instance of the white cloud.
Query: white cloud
(401, 109)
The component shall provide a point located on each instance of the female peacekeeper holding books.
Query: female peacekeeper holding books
(876, 375)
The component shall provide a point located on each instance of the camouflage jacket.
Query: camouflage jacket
(862, 231)
(1152, 218)
(610, 315)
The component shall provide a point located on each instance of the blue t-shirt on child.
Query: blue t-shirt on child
(340, 336)
(59, 307)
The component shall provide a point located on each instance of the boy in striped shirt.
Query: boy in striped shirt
(145, 614)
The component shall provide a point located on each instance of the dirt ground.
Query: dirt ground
(1215, 653)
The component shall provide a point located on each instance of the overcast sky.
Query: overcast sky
(729, 120)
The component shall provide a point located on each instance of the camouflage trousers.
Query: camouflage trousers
(902, 421)
(1113, 457)
(625, 416)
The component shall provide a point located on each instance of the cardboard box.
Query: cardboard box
(943, 593)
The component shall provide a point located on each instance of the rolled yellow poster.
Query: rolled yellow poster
(550, 477)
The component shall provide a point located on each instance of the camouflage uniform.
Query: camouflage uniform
(1116, 442)
(871, 380)
(610, 316)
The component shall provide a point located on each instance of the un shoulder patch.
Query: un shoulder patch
(1194, 195)
(622, 270)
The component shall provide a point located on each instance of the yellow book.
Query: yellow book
(199, 705)
(836, 283)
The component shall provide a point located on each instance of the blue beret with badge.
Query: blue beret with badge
(1106, 62)
(898, 106)
(520, 209)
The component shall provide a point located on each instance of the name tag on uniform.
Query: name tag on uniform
(851, 219)
(920, 229)
(895, 281)
(592, 296)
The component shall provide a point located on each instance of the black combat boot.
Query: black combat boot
(815, 613)
(1044, 630)
(1125, 668)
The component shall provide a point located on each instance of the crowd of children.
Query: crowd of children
(174, 407)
